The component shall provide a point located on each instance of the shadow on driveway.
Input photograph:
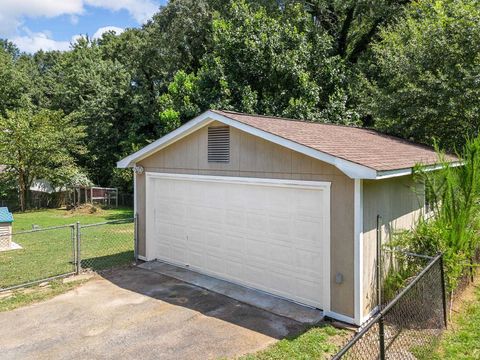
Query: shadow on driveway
(208, 303)
(134, 313)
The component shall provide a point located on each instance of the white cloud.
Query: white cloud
(98, 34)
(33, 42)
(74, 19)
(13, 12)
(141, 10)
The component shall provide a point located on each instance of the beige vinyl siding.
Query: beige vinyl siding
(399, 201)
(251, 156)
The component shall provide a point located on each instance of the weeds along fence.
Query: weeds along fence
(467, 277)
(408, 326)
(38, 255)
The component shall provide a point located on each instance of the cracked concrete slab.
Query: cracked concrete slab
(135, 313)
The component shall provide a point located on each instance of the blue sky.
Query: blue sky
(54, 24)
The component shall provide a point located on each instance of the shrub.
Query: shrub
(454, 195)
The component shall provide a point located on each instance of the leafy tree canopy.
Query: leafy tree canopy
(39, 145)
(426, 72)
(410, 68)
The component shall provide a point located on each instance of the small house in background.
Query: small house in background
(6, 219)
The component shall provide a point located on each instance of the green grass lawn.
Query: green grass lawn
(317, 343)
(50, 253)
(55, 217)
(462, 339)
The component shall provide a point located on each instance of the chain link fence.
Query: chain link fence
(409, 326)
(105, 245)
(43, 254)
(34, 255)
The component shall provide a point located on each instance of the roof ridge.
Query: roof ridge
(366, 129)
(291, 119)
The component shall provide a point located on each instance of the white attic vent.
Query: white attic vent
(219, 144)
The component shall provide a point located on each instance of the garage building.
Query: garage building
(284, 206)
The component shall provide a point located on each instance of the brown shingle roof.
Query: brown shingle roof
(362, 146)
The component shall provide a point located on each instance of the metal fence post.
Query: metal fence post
(74, 247)
(79, 247)
(444, 293)
(381, 335)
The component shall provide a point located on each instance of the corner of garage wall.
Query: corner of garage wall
(399, 202)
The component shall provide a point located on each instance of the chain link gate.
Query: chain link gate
(104, 245)
(40, 255)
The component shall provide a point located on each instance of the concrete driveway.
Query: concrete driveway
(136, 313)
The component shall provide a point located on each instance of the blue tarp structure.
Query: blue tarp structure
(5, 215)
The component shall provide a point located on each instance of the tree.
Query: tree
(39, 145)
(271, 63)
(353, 24)
(14, 81)
(425, 76)
(93, 92)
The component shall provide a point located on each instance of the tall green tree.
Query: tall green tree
(426, 71)
(265, 62)
(15, 84)
(39, 145)
(93, 92)
(353, 24)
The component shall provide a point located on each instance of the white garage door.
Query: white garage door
(272, 235)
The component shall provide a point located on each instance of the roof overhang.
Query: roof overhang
(351, 169)
(386, 174)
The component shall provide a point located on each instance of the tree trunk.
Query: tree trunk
(22, 195)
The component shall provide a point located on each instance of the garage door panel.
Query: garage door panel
(214, 242)
(234, 272)
(307, 260)
(256, 222)
(234, 244)
(235, 218)
(279, 226)
(179, 254)
(196, 259)
(306, 233)
(267, 235)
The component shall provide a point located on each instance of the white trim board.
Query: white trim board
(358, 251)
(351, 169)
(339, 317)
(242, 180)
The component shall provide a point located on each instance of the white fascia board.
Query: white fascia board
(387, 174)
(353, 170)
(408, 171)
